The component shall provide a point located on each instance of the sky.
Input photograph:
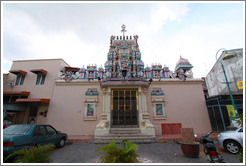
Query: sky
(79, 32)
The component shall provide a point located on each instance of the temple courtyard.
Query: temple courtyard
(160, 152)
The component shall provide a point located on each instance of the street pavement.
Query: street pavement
(170, 152)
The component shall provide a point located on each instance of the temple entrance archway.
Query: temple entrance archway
(124, 108)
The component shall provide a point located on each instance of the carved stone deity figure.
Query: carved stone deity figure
(189, 74)
(157, 74)
(103, 124)
(111, 39)
(105, 74)
(146, 124)
(61, 75)
(141, 73)
(181, 74)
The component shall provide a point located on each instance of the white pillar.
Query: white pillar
(140, 108)
(108, 105)
(103, 126)
(145, 125)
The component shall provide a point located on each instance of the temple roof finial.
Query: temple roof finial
(123, 30)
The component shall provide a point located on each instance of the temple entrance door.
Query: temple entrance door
(124, 108)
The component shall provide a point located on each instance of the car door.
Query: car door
(40, 135)
(52, 135)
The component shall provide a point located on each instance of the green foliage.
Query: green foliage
(39, 154)
(240, 123)
(240, 120)
(116, 154)
(240, 156)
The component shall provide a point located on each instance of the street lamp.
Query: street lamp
(227, 56)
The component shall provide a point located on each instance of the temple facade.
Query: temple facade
(95, 101)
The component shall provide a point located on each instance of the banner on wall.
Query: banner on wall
(231, 111)
(240, 85)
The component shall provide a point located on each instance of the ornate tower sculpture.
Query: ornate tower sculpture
(166, 72)
(91, 71)
(100, 72)
(124, 61)
(124, 57)
(123, 31)
(148, 72)
(183, 69)
(157, 71)
(82, 73)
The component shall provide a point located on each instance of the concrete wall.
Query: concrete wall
(52, 66)
(40, 118)
(67, 108)
(5, 79)
(184, 103)
(215, 79)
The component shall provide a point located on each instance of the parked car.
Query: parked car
(16, 137)
(232, 141)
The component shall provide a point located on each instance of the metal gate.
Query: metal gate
(218, 113)
(124, 108)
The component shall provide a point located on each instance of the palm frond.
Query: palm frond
(39, 154)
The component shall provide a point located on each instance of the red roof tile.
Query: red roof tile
(16, 72)
(39, 71)
(24, 93)
(34, 100)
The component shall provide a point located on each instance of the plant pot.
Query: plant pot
(190, 148)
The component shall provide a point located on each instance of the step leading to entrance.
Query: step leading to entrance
(124, 131)
(130, 134)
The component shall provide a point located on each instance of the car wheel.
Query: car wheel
(61, 143)
(232, 146)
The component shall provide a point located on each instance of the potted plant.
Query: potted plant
(190, 148)
(116, 154)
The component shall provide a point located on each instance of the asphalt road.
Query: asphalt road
(170, 152)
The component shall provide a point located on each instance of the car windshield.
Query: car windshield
(17, 129)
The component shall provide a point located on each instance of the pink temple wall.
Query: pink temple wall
(67, 109)
(184, 103)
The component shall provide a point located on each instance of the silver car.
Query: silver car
(232, 141)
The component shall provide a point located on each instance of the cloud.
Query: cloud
(159, 15)
(6, 65)
(197, 43)
(32, 42)
(167, 12)
(79, 33)
(68, 46)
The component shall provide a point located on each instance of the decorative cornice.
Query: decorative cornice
(157, 100)
(91, 100)
(124, 83)
(76, 83)
(176, 81)
(160, 117)
(89, 118)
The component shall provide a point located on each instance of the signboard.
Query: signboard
(240, 85)
(231, 111)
